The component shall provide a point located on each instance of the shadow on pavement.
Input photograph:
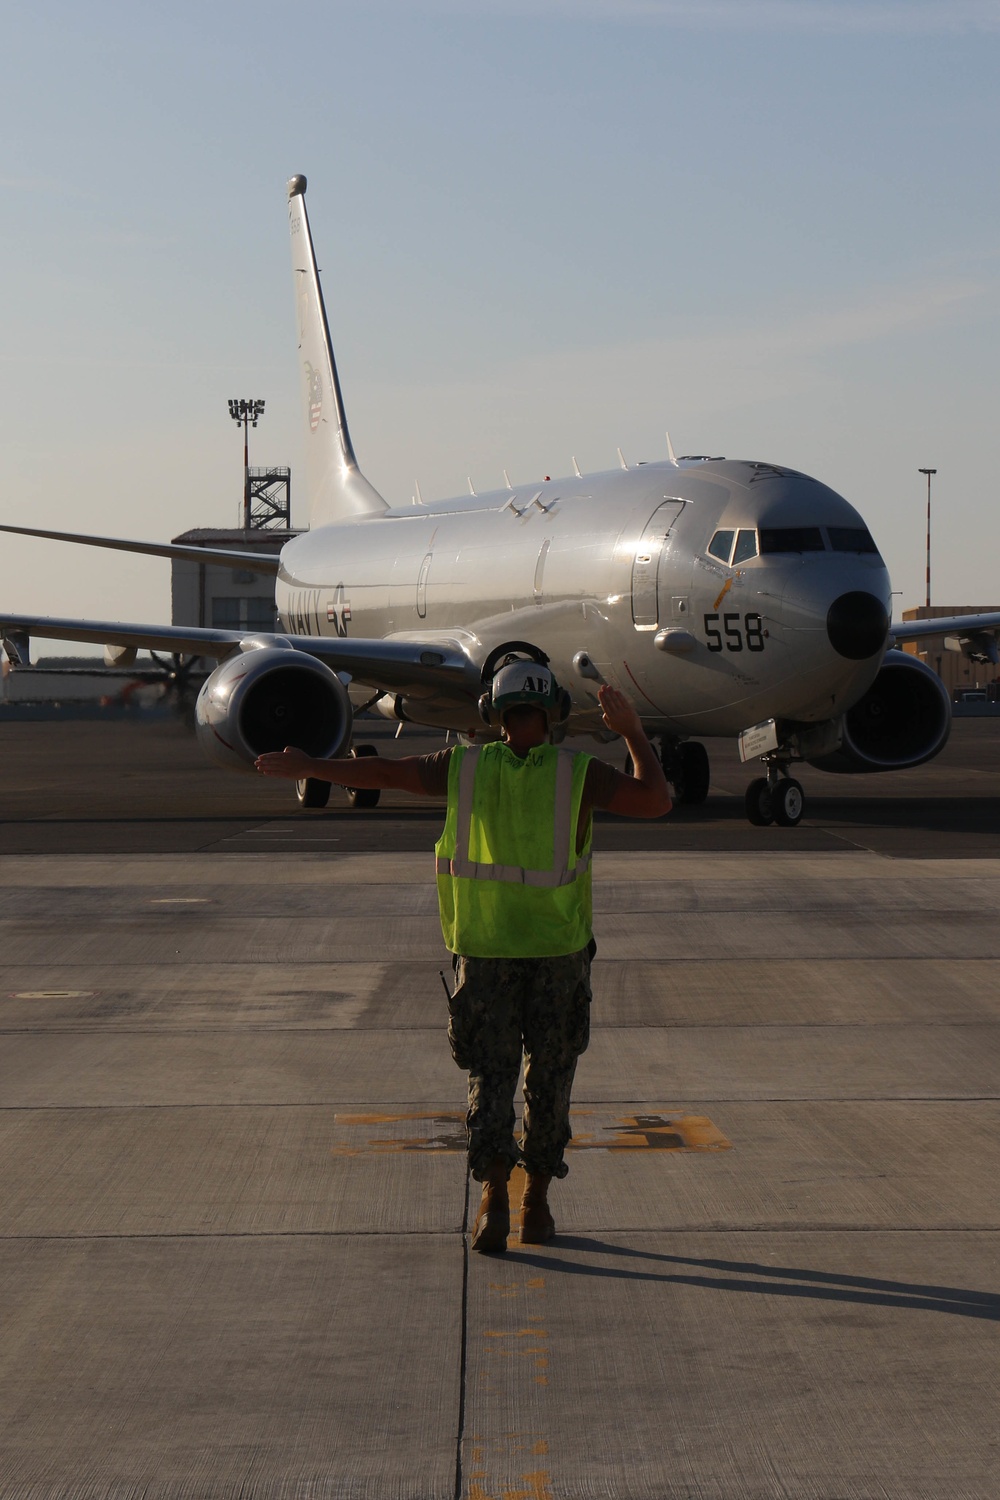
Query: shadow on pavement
(772, 1281)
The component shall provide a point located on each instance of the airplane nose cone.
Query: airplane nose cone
(857, 625)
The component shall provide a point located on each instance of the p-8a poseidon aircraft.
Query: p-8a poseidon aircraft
(722, 597)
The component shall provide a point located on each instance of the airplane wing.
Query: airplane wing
(976, 635)
(960, 625)
(252, 562)
(392, 666)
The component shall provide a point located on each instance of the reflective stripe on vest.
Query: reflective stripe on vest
(563, 843)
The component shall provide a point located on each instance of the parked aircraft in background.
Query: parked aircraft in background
(724, 597)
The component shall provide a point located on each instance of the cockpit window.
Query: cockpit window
(791, 539)
(746, 546)
(721, 545)
(851, 539)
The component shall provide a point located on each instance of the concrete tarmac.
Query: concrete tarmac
(234, 1214)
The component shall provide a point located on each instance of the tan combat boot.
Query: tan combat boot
(537, 1223)
(493, 1219)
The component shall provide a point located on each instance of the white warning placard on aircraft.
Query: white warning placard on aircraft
(758, 740)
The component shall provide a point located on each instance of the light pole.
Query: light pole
(246, 413)
(928, 472)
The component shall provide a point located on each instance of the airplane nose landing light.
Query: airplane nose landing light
(857, 625)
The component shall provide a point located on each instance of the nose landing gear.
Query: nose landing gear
(775, 798)
(686, 767)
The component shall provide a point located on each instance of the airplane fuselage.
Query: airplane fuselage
(632, 568)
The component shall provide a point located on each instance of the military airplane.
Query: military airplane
(724, 597)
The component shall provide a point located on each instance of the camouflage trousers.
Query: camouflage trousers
(501, 1008)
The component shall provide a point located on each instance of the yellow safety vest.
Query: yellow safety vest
(510, 881)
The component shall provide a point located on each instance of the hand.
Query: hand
(295, 764)
(619, 714)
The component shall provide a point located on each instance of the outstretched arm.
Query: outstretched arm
(646, 793)
(368, 771)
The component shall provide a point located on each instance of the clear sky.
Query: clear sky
(547, 227)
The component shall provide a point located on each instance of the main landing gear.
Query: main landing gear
(313, 793)
(363, 796)
(686, 768)
(775, 798)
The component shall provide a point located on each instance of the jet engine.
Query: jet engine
(268, 697)
(902, 720)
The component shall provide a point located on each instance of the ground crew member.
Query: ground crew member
(513, 871)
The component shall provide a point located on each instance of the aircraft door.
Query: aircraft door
(425, 568)
(647, 607)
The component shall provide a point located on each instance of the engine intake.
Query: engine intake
(902, 720)
(267, 698)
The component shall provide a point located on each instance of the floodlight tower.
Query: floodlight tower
(928, 472)
(247, 414)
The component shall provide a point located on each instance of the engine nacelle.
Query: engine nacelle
(902, 720)
(267, 698)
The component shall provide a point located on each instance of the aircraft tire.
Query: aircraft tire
(312, 793)
(695, 774)
(788, 803)
(757, 801)
(363, 796)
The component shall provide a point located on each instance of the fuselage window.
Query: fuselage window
(851, 539)
(721, 545)
(746, 546)
(791, 539)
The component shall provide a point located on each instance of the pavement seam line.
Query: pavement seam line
(464, 1353)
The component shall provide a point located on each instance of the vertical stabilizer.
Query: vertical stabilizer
(336, 486)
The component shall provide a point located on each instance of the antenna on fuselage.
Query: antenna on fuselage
(576, 468)
(506, 480)
(472, 487)
(418, 498)
(621, 459)
(671, 455)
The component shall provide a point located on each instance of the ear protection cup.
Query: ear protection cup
(558, 703)
(512, 649)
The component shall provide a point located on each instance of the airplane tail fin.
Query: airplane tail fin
(336, 486)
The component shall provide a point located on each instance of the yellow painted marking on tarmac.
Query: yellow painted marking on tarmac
(532, 1484)
(514, 1289)
(539, 1487)
(518, 1333)
(658, 1133)
(451, 1136)
(630, 1133)
(639, 1132)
